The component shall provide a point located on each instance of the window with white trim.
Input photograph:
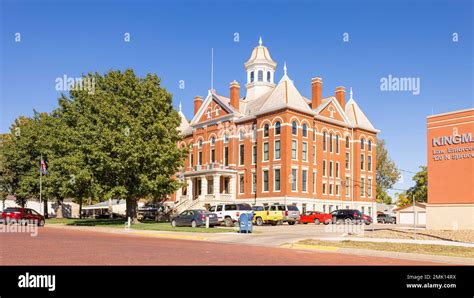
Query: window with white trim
(265, 151)
(276, 178)
(362, 187)
(277, 150)
(369, 187)
(265, 180)
(241, 183)
(348, 186)
(294, 149)
(305, 151)
(304, 180)
(324, 168)
(294, 179)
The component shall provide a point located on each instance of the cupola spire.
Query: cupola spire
(260, 41)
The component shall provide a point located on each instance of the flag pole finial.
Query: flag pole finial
(284, 68)
(260, 41)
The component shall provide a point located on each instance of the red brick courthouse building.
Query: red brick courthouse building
(274, 145)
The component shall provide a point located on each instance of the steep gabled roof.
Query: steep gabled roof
(357, 117)
(332, 101)
(284, 95)
(224, 103)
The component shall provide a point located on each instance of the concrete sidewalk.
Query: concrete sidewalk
(409, 241)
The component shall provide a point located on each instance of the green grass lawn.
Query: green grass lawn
(145, 225)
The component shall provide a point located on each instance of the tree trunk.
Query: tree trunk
(80, 208)
(132, 209)
(111, 214)
(45, 209)
(59, 211)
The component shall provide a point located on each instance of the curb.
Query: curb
(310, 247)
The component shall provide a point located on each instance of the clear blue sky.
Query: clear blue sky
(174, 40)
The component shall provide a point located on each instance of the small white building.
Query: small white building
(407, 214)
(70, 209)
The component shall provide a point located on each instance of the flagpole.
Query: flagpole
(41, 175)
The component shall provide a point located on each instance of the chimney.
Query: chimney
(341, 95)
(316, 92)
(197, 103)
(234, 95)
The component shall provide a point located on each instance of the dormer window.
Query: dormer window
(252, 77)
(217, 111)
(208, 114)
(260, 75)
(268, 76)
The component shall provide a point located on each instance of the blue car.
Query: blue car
(194, 218)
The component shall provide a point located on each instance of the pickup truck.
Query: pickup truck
(316, 217)
(229, 213)
(267, 215)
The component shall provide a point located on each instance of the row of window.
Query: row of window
(259, 76)
(328, 189)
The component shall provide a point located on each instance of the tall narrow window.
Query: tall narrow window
(348, 186)
(305, 130)
(268, 76)
(294, 179)
(324, 190)
(260, 75)
(277, 128)
(294, 128)
(277, 179)
(241, 135)
(337, 190)
(241, 183)
(254, 132)
(265, 180)
(226, 138)
(314, 154)
(369, 187)
(330, 142)
(337, 144)
(324, 141)
(330, 188)
(265, 151)
(266, 127)
(314, 182)
(226, 156)
(213, 155)
(337, 169)
(369, 162)
(242, 154)
(277, 149)
(314, 134)
(324, 168)
(304, 180)
(369, 145)
(362, 161)
(362, 187)
(254, 154)
(252, 78)
(305, 151)
(294, 148)
(330, 169)
(347, 160)
(348, 142)
(254, 182)
(200, 157)
(362, 144)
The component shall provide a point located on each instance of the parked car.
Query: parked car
(264, 215)
(386, 218)
(291, 213)
(194, 218)
(346, 216)
(230, 213)
(316, 217)
(22, 216)
(366, 219)
(148, 211)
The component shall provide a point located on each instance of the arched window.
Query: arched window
(260, 75)
(330, 142)
(213, 141)
(268, 76)
(254, 131)
(226, 138)
(200, 144)
(369, 145)
(324, 141)
(362, 144)
(277, 128)
(294, 128)
(252, 77)
(265, 130)
(347, 142)
(241, 135)
(305, 130)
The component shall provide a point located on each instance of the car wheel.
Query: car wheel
(327, 222)
(41, 223)
(291, 223)
(193, 224)
(173, 223)
(259, 221)
(228, 222)
(317, 221)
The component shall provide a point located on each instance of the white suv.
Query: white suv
(230, 213)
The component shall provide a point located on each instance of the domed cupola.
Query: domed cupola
(260, 72)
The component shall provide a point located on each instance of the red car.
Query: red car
(22, 215)
(316, 217)
(366, 219)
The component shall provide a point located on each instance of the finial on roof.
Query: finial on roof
(260, 41)
(350, 94)
(180, 105)
(284, 68)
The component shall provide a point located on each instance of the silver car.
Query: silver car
(291, 213)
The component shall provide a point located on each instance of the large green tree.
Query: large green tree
(387, 173)
(126, 135)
